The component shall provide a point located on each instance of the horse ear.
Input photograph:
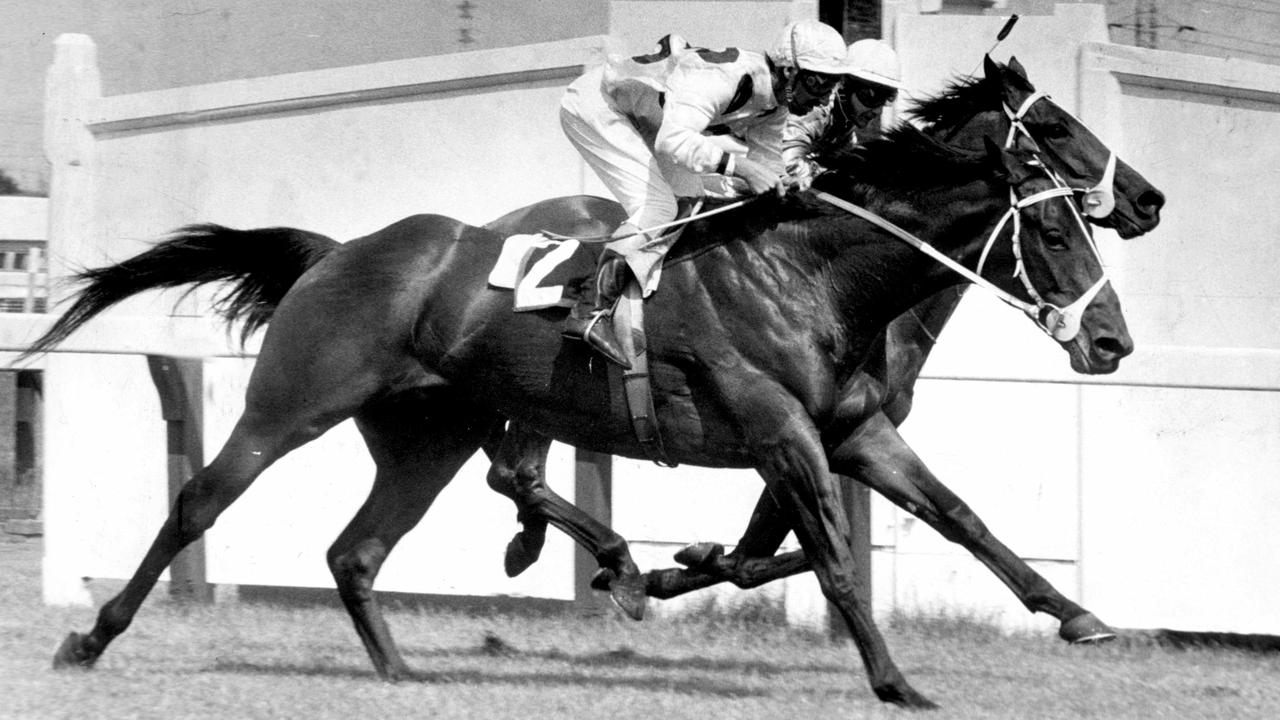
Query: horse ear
(1017, 75)
(990, 68)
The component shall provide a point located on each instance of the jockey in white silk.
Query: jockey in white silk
(686, 122)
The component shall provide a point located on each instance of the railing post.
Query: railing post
(180, 383)
(593, 493)
(72, 88)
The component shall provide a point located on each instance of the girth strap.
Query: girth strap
(628, 327)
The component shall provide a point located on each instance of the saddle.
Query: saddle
(544, 271)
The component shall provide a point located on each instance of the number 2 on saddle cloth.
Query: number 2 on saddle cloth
(542, 272)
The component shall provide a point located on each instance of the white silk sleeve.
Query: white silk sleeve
(693, 100)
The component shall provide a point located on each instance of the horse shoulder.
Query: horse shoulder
(712, 322)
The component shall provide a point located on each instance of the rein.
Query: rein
(1061, 323)
(592, 239)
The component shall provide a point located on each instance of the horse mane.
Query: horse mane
(964, 98)
(905, 163)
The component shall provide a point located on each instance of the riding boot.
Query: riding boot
(591, 318)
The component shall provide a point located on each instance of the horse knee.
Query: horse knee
(354, 568)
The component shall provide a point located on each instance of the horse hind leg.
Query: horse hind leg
(254, 444)
(518, 472)
(751, 564)
(306, 380)
(418, 442)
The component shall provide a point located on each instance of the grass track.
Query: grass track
(261, 661)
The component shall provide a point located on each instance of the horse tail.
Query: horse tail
(261, 266)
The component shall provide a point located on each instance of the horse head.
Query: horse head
(1004, 104)
(1128, 203)
(1051, 264)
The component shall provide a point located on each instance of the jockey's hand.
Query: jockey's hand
(759, 178)
(799, 176)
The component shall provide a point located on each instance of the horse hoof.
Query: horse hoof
(71, 654)
(905, 696)
(603, 579)
(1086, 629)
(629, 595)
(699, 554)
(521, 555)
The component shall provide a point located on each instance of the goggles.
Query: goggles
(873, 96)
(817, 84)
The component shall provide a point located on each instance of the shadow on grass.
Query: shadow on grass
(695, 681)
(699, 685)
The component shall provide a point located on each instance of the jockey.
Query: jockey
(686, 122)
(873, 81)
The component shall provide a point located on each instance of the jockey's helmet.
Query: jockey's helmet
(875, 62)
(811, 45)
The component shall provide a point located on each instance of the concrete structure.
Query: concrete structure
(1101, 484)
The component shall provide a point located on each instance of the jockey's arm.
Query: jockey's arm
(800, 138)
(692, 102)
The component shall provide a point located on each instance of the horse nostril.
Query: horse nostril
(1151, 201)
(1110, 347)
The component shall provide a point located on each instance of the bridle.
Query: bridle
(1061, 323)
(1100, 199)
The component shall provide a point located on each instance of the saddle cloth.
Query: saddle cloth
(543, 272)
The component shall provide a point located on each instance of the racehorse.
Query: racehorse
(1002, 104)
(764, 316)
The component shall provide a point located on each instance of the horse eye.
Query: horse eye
(1056, 131)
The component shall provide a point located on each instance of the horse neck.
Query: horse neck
(878, 278)
(911, 336)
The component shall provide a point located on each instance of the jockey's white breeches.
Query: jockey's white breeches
(626, 164)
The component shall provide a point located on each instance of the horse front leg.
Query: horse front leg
(876, 455)
(791, 458)
(519, 472)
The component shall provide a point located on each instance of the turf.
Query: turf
(246, 660)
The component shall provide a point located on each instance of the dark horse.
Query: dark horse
(879, 398)
(765, 316)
